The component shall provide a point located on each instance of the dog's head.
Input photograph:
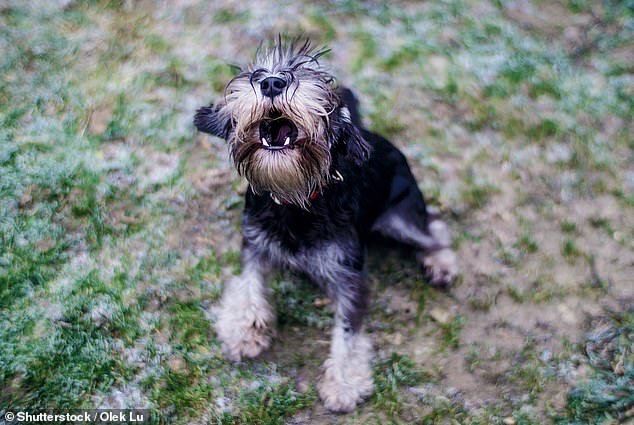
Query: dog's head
(284, 122)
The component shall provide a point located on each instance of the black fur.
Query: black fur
(208, 120)
(376, 179)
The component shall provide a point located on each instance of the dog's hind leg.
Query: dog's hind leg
(407, 219)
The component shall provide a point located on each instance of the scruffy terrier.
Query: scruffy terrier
(319, 185)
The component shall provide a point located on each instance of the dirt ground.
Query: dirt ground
(120, 223)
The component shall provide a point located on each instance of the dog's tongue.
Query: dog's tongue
(282, 133)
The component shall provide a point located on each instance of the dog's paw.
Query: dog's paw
(440, 267)
(341, 389)
(246, 342)
(243, 334)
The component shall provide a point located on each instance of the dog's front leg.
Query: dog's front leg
(244, 324)
(347, 376)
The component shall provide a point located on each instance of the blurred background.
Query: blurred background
(119, 223)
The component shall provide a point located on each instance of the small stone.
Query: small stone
(566, 314)
(44, 245)
(99, 120)
(396, 339)
(618, 368)
(177, 364)
(303, 387)
(510, 421)
(27, 197)
(320, 302)
(440, 315)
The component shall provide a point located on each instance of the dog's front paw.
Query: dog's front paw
(440, 267)
(341, 389)
(243, 333)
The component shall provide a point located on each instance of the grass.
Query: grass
(607, 395)
(570, 251)
(112, 258)
(450, 333)
(390, 376)
(270, 405)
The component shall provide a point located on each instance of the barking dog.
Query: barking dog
(319, 184)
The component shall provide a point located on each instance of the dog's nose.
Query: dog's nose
(272, 86)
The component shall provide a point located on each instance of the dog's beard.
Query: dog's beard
(282, 159)
(291, 170)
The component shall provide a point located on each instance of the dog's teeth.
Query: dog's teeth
(264, 142)
(287, 141)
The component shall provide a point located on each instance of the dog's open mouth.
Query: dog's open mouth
(278, 133)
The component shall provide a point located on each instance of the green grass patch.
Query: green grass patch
(63, 362)
(450, 333)
(526, 244)
(540, 290)
(390, 376)
(183, 394)
(570, 251)
(476, 193)
(607, 396)
(568, 227)
(295, 303)
(270, 404)
(189, 327)
(530, 372)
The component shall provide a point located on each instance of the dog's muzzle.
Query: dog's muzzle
(278, 133)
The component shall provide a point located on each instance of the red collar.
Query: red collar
(313, 195)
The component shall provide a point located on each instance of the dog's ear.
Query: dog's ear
(356, 147)
(214, 120)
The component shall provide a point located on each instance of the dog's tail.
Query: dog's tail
(352, 103)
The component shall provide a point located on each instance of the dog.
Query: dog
(319, 185)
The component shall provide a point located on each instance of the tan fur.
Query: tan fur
(442, 265)
(308, 100)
